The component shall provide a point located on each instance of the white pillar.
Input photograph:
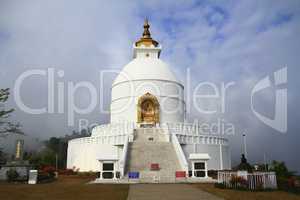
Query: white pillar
(221, 158)
(114, 176)
(101, 170)
(115, 171)
(206, 174)
(193, 169)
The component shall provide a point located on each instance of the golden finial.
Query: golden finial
(146, 33)
(146, 39)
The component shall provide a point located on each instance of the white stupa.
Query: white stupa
(148, 137)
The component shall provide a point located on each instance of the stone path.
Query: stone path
(167, 192)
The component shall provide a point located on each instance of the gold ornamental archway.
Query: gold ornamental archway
(148, 109)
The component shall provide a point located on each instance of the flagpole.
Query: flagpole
(265, 161)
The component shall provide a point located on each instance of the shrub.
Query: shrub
(239, 182)
(12, 175)
(50, 170)
(220, 185)
(213, 174)
(288, 184)
(44, 177)
(281, 169)
(46, 174)
(66, 172)
(89, 174)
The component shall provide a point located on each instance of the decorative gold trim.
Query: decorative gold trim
(146, 39)
(153, 99)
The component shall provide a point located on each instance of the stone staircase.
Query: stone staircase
(151, 145)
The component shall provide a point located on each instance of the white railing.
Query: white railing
(189, 128)
(251, 181)
(180, 155)
(113, 129)
(124, 158)
(114, 134)
(201, 139)
(178, 150)
(192, 129)
(105, 139)
(191, 134)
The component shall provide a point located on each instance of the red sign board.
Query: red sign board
(180, 174)
(154, 166)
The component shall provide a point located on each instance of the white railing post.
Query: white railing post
(265, 179)
(124, 156)
(179, 152)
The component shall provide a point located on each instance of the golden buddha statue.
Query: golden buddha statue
(148, 111)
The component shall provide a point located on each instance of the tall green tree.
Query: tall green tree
(3, 157)
(5, 125)
(281, 169)
(59, 147)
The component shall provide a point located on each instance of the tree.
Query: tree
(4, 93)
(59, 146)
(285, 178)
(44, 158)
(3, 157)
(12, 175)
(6, 126)
(281, 169)
(53, 144)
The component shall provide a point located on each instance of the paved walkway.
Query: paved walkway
(167, 192)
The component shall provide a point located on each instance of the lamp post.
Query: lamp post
(56, 162)
(245, 144)
(265, 162)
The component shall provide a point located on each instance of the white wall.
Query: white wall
(84, 155)
(213, 150)
(169, 95)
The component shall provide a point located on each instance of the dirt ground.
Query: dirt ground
(168, 192)
(75, 188)
(66, 187)
(244, 195)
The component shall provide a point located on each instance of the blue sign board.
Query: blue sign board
(133, 175)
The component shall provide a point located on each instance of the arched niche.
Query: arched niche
(148, 109)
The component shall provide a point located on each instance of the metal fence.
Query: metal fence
(251, 181)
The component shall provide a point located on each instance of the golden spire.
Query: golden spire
(146, 39)
(146, 33)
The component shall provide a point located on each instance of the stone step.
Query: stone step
(150, 135)
(157, 176)
(142, 153)
(141, 157)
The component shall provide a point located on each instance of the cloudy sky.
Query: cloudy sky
(216, 41)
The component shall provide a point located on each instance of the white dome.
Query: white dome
(145, 69)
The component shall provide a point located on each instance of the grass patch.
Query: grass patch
(232, 194)
(66, 187)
